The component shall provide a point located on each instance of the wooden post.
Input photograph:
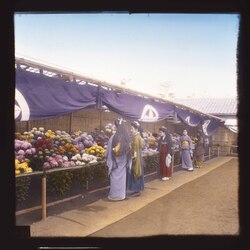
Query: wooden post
(87, 185)
(172, 164)
(70, 122)
(44, 209)
(218, 150)
(28, 126)
(209, 153)
(101, 118)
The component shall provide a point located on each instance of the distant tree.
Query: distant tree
(165, 91)
(124, 81)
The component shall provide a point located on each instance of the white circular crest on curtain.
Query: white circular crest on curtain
(149, 114)
(22, 107)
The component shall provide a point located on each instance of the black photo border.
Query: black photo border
(16, 237)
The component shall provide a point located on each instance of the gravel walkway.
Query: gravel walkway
(207, 205)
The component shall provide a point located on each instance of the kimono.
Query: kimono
(135, 174)
(165, 148)
(117, 173)
(186, 146)
(199, 152)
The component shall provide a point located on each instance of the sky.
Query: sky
(188, 55)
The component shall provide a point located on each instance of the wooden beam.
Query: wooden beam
(44, 205)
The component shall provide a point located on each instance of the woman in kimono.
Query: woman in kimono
(165, 149)
(199, 151)
(135, 174)
(186, 147)
(117, 155)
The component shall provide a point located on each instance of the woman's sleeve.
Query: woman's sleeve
(108, 155)
(170, 145)
(191, 144)
(158, 145)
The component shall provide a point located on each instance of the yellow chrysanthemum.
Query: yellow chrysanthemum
(17, 172)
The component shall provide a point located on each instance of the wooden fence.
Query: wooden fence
(90, 120)
(152, 164)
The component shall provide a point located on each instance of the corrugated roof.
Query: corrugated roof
(213, 106)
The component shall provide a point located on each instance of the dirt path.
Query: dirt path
(207, 206)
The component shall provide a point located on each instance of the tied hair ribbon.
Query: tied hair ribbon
(120, 121)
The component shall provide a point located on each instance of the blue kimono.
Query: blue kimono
(117, 173)
(186, 146)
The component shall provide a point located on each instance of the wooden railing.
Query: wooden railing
(212, 152)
